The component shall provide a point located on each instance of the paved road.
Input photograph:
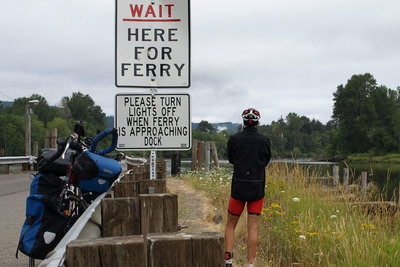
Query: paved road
(14, 188)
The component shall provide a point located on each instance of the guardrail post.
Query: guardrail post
(158, 213)
(111, 251)
(120, 216)
(6, 169)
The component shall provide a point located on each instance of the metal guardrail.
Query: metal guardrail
(82, 227)
(135, 161)
(57, 256)
(17, 160)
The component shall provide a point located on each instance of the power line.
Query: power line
(6, 95)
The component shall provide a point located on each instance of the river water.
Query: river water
(385, 176)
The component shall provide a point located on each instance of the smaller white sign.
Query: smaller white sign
(153, 122)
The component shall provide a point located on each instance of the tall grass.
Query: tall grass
(305, 223)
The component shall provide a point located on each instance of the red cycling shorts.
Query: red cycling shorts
(253, 208)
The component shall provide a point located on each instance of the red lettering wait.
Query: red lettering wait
(137, 11)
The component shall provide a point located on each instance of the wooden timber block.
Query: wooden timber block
(169, 250)
(159, 186)
(208, 249)
(126, 189)
(161, 165)
(123, 251)
(135, 168)
(136, 176)
(159, 174)
(186, 249)
(158, 213)
(121, 216)
(83, 253)
(170, 213)
(112, 251)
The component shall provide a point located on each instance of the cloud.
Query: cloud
(277, 56)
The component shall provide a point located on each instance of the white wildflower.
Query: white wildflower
(295, 199)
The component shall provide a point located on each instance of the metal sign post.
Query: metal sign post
(153, 169)
(153, 165)
(153, 157)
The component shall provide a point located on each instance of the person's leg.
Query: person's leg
(254, 209)
(235, 209)
(230, 232)
(252, 238)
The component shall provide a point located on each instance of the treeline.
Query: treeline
(44, 117)
(366, 119)
(295, 136)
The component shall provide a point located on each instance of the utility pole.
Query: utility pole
(27, 130)
(28, 126)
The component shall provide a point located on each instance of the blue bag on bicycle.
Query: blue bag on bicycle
(95, 173)
(44, 226)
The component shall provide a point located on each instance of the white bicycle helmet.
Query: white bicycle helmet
(251, 116)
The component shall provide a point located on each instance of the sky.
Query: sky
(276, 56)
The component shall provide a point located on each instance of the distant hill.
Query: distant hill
(110, 121)
(7, 103)
(219, 126)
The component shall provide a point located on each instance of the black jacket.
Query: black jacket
(249, 152)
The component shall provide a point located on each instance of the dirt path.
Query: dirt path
(195, 208)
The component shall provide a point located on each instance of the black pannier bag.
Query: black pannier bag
(44, 226)
(95, 173)
(59, 166)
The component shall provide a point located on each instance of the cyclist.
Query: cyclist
(249, 152)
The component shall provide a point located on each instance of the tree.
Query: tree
(41, 109)
(82, 107)
(63, 127)
(205, 126)
(12, 134)
(294, 131)
(353, 111)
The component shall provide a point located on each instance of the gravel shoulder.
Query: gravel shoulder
(196, 211)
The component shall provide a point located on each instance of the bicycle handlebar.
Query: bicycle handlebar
(71, 142)
(100, 136)
(62, 147)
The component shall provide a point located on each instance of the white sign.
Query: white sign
(153, 122)
(152, 43)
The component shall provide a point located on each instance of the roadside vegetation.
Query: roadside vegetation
(392, 158)
(305, 223)
(44, 117)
